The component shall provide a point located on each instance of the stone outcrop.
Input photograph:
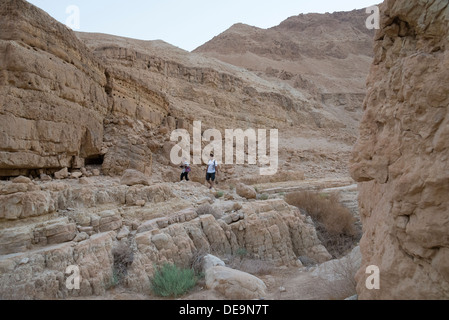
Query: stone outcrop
(71, 223)
(52, 92)
(132, 177)
(62, 107)
(401, 158)
(41, 274)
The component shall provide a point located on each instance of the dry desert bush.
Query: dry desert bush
(123, 258)
(344, 285)
(334, 223)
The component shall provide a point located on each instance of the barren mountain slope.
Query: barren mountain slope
(328, 55)
(224, 96)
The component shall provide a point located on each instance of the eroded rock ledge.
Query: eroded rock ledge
(60, 224)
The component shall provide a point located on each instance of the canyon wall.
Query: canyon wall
(401, 157)
(60, 106)
(52, 100)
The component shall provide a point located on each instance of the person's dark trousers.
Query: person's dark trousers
(185, 175)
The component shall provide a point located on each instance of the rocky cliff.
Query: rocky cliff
(401, 158)
(59, 101)
(52, 101)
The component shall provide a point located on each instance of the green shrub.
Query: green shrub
(241, 252)
(219, 194)
(263, 196)
(172, 281)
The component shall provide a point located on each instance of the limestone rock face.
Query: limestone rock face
(401, 158)
(51, 92)
(41, 274)
(62, 107)
(77, 99)
(59, 217)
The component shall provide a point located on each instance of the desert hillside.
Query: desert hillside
(327, 55)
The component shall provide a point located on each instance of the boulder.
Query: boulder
(62, 174)
(45, 177)
(133, 177)
(235, 284)
(210, 261)
(81, 237)
(76, 175)
(123, 233)
(246, 191)
(21, 179)
(343, 269)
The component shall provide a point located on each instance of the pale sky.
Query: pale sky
(185, 23)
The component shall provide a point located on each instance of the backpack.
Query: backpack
(188, 169)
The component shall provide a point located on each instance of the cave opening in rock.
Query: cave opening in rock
(94, 160)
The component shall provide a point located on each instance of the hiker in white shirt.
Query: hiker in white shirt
(211, 171)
